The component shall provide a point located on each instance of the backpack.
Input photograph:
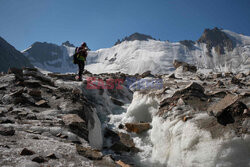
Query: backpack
(75, 59)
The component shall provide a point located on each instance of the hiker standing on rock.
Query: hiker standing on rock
(80, 58)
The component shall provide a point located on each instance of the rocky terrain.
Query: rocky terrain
(48, 120)
(186, 118)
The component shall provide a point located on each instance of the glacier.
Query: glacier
(136, 56)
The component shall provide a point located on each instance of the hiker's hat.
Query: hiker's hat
(84, 44)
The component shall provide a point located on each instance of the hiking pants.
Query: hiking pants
(81, 68)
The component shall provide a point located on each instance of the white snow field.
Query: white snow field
(157, 56)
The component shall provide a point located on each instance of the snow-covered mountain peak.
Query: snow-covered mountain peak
(51, 57)
(217, 49)
(239, 39)
(135, 36)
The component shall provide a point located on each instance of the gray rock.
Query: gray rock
(7, 99)
(7, 131)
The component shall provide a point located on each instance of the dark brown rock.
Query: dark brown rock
(39, 159)
(89, 153)
(228, 114)
(236, 81)
(137, 127)
(35, 93)
(119, 147)
(121, 126)
(51, 156)
(26, 151)
(21, 100)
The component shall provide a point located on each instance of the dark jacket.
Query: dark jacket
(81, 54)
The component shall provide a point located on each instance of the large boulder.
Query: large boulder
(218, 108)
(76, 124)
(192, 95)
(227, 109)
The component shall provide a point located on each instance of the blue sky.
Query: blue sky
(101, 22)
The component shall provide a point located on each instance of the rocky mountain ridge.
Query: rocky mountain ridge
(215, 38)
(217, 49)
(10, 57)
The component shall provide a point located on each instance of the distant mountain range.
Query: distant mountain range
(10, 57)
(216, 49)
(51, 57)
